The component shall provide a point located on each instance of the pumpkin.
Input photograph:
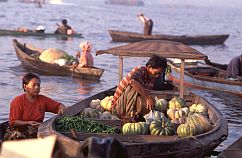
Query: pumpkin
(95, 103)
(177, 103)
(154, 115)
(179, 120)
(189, 129)
(200, 108)
(161, 127)
(106, 103)
(160, 104)
(140, 128)
(177, 113)
(89, 113)
(105, 116)
(200, 119)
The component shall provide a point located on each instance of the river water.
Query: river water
(93, 18)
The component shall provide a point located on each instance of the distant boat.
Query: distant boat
(126, 2)
(28, 55)
(4, 32)
(208, 75)
(124, 36)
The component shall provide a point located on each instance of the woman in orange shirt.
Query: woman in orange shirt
(27, 110)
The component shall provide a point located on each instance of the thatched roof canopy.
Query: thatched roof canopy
(167, 49)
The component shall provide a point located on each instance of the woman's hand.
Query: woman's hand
(33, 123)
(61, 109)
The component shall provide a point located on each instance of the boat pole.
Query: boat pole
(120, 68)
(182, 78)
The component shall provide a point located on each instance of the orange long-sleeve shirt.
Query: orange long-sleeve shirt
(22, 109)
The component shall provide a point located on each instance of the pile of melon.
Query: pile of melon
(172, 118)
(99, 109)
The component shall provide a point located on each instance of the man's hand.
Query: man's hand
(150, 102)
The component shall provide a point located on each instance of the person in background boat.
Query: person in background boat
(64, 28)
(132, 95)
(234, 69)
(148, 23)
(27, 110)
(85, 57)
(22, 29)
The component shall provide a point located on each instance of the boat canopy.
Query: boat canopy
(167, 49)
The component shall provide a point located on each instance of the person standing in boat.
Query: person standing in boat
(64, 28)
(148, 23)
(27, 110)
(133, 92)
(234, 69)
(85, 57)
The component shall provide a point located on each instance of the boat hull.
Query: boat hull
(146, 145)
(37, 34)
(204, 81)
(26, 54)
(122, 36)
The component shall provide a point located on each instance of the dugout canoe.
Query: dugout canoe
(4, 32)
(126, 2)
(206, 75)
(28, 55)
(123, 36)
(145, 145)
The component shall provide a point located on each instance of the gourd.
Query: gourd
(95, 103)
(200, 108)
(177, 103)
(196, 124)
(89, 113)
(197, 118)
(177, 113)
(140, 128)
(106, 103)
(161, 127)
(160, 104)
(179, 120)
(189, 129)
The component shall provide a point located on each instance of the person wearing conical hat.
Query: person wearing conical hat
(86, 59)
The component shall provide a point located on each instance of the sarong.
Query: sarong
(23, 133)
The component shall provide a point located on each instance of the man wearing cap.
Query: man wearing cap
(148, 23)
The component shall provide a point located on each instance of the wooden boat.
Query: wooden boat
(126, 2)
(233, 151)
(28, 55)
(123, 36)
(4, 32)
(147, 145)
(207, 75)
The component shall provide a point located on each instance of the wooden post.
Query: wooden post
(182, 78)
(120, 68)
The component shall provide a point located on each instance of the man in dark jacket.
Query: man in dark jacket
(234, 69)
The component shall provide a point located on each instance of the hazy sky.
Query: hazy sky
(219, 3)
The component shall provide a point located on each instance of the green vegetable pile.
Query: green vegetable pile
(79, 124)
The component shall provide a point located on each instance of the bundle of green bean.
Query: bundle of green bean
(66, 123)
